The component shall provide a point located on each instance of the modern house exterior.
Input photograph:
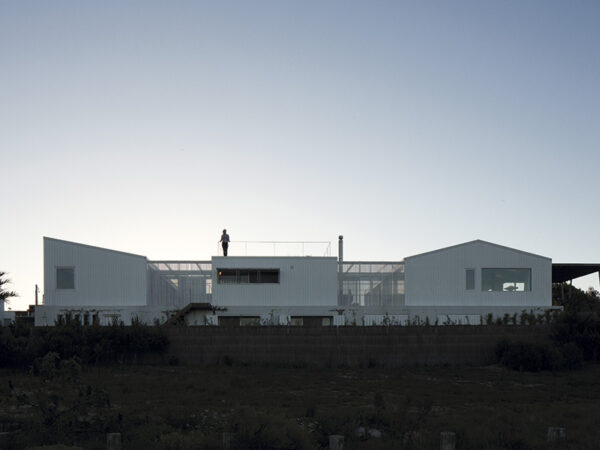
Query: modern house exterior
(458, 284)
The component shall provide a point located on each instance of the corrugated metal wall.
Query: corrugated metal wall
(302, 281)
(102, 277)
(438, 278)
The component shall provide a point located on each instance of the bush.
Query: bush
(572, 356)
(580, 329)
(21, 347)
(533, 357)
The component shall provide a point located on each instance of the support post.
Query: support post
(570, 289)
(336, 442)
(113, 441)
(228, 440)
(556, 434)
(447, 440)
(340, 268)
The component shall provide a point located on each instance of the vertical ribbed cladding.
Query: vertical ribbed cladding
(101, 276)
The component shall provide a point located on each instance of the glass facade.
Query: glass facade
(368, 283)
(177, 283)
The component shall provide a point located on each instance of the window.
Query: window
(65, 278)
(227, 276)
(247, 276)
(506, 280)
(470, 279)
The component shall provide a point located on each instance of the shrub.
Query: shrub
(533, 357)
(572, 356)
(580, 329)
(21, 347)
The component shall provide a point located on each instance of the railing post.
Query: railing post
(113, 441)
(447, 440)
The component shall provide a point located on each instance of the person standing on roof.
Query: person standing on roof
(224, 242)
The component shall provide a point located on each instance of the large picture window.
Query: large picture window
(506, 280)
(247, 276)
(65, 278)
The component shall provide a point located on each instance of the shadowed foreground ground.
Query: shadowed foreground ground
(176, 407)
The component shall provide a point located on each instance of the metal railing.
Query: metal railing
(276, 248)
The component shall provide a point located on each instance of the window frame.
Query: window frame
(529, 285)
(473, 271)
(247, 276)
(56, 278)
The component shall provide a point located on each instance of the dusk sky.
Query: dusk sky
(148, 127)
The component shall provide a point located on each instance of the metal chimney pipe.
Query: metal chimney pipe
(340, 268)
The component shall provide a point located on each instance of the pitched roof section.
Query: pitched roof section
(92, 247)
(478, 241)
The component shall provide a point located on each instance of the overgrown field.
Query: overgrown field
(177, 407)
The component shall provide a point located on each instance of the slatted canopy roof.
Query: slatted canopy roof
(566, 272)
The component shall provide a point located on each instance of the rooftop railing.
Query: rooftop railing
(277, 248)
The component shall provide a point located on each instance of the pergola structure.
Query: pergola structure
(570, 271)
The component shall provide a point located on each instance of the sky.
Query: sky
(148, 127)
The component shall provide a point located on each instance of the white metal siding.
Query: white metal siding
(438, 278)
(102, 277)
(303, 281)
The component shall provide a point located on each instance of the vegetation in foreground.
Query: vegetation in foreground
(70, 385)
(173, 407)
(573, 335)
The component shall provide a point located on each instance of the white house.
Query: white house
(462, 284)
(478, 273)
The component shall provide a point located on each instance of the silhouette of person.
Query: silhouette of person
(224, 242)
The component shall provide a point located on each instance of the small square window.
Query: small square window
(470, 279)
(65, 278)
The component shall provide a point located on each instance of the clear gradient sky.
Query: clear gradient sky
(148, 127)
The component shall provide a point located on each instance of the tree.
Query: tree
(5, 294)
(575, 299)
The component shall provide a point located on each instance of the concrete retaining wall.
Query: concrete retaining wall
(345, 346)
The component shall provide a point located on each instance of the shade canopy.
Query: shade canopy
(566, 272)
